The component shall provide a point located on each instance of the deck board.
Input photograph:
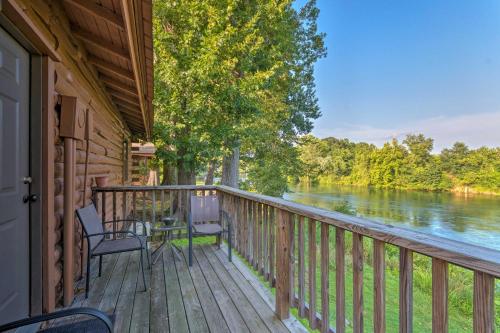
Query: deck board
(158, 318)
(253, 320)
(258, 303)
(211, 296)
(123, 310)
(176, 313)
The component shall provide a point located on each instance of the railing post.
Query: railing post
(484, 303)
(283, 265)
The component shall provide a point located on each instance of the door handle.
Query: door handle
(30, 198)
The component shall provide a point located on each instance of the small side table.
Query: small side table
(168, 225)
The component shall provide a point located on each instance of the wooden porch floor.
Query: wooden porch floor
(213, 296)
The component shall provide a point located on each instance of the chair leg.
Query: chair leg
(87, 277)
(100, 265)
(142, 268)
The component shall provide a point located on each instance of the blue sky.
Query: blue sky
(399, 67)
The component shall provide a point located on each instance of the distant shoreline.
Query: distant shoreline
(457, 190)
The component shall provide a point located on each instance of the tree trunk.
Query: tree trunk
(186, 174)
(209, 180)
(230, 168)
(169, 173)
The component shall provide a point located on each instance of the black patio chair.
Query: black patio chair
(204, 219)
(98, 245)
(100, 323)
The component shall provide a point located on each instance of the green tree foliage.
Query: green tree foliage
(406, 165)
(232, 73)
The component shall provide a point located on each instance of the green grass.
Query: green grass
(459, 296)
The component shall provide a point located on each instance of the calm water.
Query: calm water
(472, 219)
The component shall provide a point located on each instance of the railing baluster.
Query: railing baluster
(405, 290)
(171, 203)
(379, 286)
(162, 204)
(312, 274)
(357, 289)
(245, 231)
(283, 270)
(272, 252)
(238, 202)
(265, 241)
(340, 280)
(325, 299)
(302, 268)
(153, 206)
(144, 205)
(484, 303)
(103, 212)
(292, 259)
(439, 296)
(124, 204)
(134, 208)
(255, 235)
(259, 239)
(114, 213)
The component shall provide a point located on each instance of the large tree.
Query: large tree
(229, 75)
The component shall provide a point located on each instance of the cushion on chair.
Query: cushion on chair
(119, 245)
(207, 228)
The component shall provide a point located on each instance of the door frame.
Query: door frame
(35, 164)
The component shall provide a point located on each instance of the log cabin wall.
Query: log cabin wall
(118, 99)
(105, 159)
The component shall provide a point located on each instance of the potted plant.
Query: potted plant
(101, 181)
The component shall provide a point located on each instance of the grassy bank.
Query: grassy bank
(459, 299)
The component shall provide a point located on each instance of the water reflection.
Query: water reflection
(473, 219)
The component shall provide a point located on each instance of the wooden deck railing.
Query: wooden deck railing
(274, 236)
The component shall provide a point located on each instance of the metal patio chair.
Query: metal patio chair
(98, 245)
(100, 322)
(204, 219)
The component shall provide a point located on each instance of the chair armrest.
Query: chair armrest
(117, 232)
(60, 314)
(130, 220)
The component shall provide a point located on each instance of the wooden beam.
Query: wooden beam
(101, 43)
(48, 219)
(133, 120)
(132, 16)
(127, 105)
(118, 85)
(124, 97)
(110, 68)
(100, 12)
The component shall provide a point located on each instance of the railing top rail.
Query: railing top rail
(466, 255)
(157, 187)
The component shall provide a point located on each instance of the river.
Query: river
(471, 219)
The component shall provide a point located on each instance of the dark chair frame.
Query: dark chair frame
(191, 233)
(90, 255)
(60, 314)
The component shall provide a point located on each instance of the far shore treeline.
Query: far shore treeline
(409, 164)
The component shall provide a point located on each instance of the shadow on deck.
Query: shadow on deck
(212, 296)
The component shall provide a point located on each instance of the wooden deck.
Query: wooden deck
(213, 296)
